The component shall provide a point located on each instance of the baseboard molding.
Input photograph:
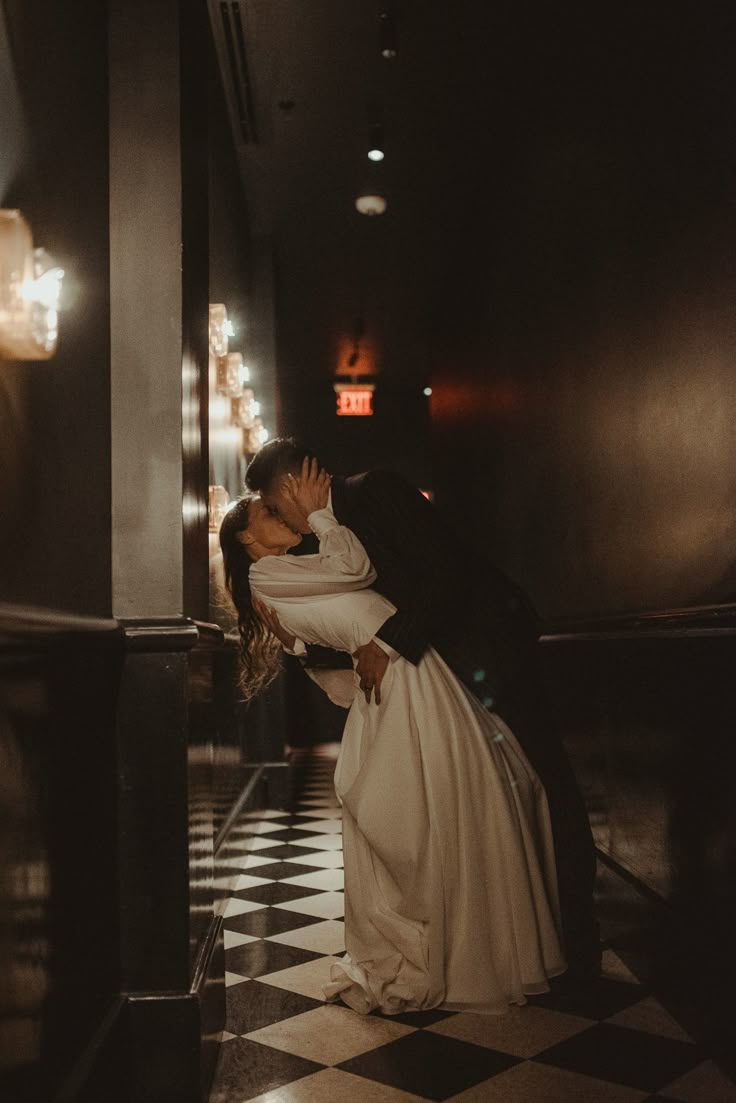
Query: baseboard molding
(206, 953)
(208, 985)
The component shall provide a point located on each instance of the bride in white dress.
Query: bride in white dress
(450, 882)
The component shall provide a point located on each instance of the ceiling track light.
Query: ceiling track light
(387, 37)
(376, 146)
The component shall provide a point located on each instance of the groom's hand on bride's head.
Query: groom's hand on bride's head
(371, 667)
(309, 491)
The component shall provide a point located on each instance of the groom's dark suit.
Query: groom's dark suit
(485, 629)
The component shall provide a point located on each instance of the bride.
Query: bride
(450, 882)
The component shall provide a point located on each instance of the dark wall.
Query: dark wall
(55, 416)
(583, 381)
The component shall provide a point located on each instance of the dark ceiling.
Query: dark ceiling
(516, 135)
(318, 81)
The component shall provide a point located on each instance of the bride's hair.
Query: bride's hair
(260, 651)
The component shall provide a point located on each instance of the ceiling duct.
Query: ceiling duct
(235, 57)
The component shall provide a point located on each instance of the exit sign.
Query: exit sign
(354, 400)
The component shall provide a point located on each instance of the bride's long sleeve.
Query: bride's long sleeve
(325, 599)
(342, 564)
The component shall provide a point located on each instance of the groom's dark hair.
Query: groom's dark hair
(276, 458)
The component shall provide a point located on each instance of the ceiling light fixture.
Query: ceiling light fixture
(371, 205)
(388, 36)
(375, 152)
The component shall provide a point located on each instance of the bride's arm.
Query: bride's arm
(340, 551)
(341, 565)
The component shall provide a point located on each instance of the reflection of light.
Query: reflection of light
(219, 407)
(192, 509)
(217, 506)
(230, 436)
(375, 154)
(427, 391)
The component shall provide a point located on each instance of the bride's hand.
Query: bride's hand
(311, 490)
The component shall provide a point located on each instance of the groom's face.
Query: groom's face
(278, 501)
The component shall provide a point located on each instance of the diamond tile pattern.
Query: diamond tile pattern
(609, 1041)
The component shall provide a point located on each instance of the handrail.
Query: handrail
(693, 622)
(159, 633)
(38, 626)
(210, 635)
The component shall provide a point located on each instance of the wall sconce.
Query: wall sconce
(255, 437)
(231, 374)
(220, 329)
(218, 501)
(354, 399)
(245, 408)
(30, 287)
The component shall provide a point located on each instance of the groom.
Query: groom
(481, 623)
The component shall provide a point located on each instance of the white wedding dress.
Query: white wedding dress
(450, 883)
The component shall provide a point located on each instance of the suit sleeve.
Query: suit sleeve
(325, 658)
(416, 560)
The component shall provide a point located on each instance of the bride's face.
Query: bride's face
(266, 533)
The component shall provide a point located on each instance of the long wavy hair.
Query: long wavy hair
(260, 651)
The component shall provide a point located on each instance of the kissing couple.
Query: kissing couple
(469, 861)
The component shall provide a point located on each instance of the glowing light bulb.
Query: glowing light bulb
(255, 409)
(427, 391)
(244, 373)
(375, 154)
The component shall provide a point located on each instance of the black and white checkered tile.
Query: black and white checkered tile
(614, 1043)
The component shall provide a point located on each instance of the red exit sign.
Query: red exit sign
(354, 400)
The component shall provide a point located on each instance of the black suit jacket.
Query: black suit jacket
(446, 596)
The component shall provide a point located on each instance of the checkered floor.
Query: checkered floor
(283, 926)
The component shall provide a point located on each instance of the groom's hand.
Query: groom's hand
(372, 665)
(273, 624)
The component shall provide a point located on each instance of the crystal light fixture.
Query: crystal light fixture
(229, 375)
(220, 329)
